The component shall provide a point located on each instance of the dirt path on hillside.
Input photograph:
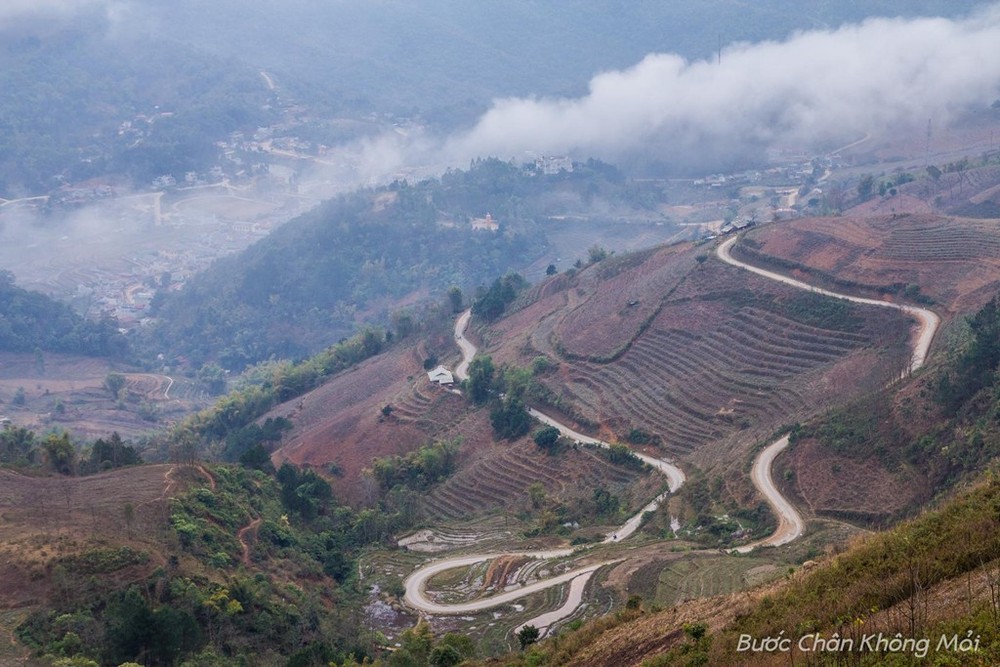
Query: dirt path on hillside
(242, 537)
(168, 482)
(207, 475)
(464, 344)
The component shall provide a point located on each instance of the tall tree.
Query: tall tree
(455, 299)
(480, 381)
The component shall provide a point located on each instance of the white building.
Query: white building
(441, 376)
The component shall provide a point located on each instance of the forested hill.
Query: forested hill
(31, 320)
(83, 100)
(310, 282)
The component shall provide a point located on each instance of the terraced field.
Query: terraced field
(631, 292)
(341, 422)
(693, 578)
(500, 477)
(955, 261)
(431, 409)
(938, 240)
(88, 409)
(726, 352)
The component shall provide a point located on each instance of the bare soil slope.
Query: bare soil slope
(341, 422)
(43, 519)
(67, 392)
(954, 261)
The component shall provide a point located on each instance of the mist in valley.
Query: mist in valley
(686, 261)
(802, 84)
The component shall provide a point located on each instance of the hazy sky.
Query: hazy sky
(816, 88)
(16, 8)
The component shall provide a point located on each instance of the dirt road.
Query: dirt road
(416, 583)
(464, 344)
(790, 523)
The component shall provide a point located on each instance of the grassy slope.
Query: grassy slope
(69, 547)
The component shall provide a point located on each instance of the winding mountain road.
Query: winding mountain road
(464, 344)
(790, 522)
(416, 584)
(928, 320)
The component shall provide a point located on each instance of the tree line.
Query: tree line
(57, 452)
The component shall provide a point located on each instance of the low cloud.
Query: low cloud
(22, 17)
(17, 9)
(814, 89)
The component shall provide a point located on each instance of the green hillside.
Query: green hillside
(172, 565)
(65, 122)
(31, 320)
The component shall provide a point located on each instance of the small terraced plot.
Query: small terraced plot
(501, 475)
(693, 578)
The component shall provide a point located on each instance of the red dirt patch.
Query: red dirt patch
(342, 423)
(833, 484)
(955, 261)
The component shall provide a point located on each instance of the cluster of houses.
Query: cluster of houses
(485, 224)
(553, 164)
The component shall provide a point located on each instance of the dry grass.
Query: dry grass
(833, 484)
(44, 519)
(77, 383)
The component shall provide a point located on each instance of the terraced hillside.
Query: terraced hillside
(386, 406)
(688, 579)
(342, 422)
(501, 474)
(715, 356)
(42, 516)
(955, 261)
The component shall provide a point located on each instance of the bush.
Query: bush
(510, 419)
(547, 438)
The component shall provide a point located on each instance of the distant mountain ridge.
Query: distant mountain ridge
(448, 59)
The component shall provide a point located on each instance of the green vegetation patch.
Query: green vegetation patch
(704, 577)
(104, 561)
(31, 321)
